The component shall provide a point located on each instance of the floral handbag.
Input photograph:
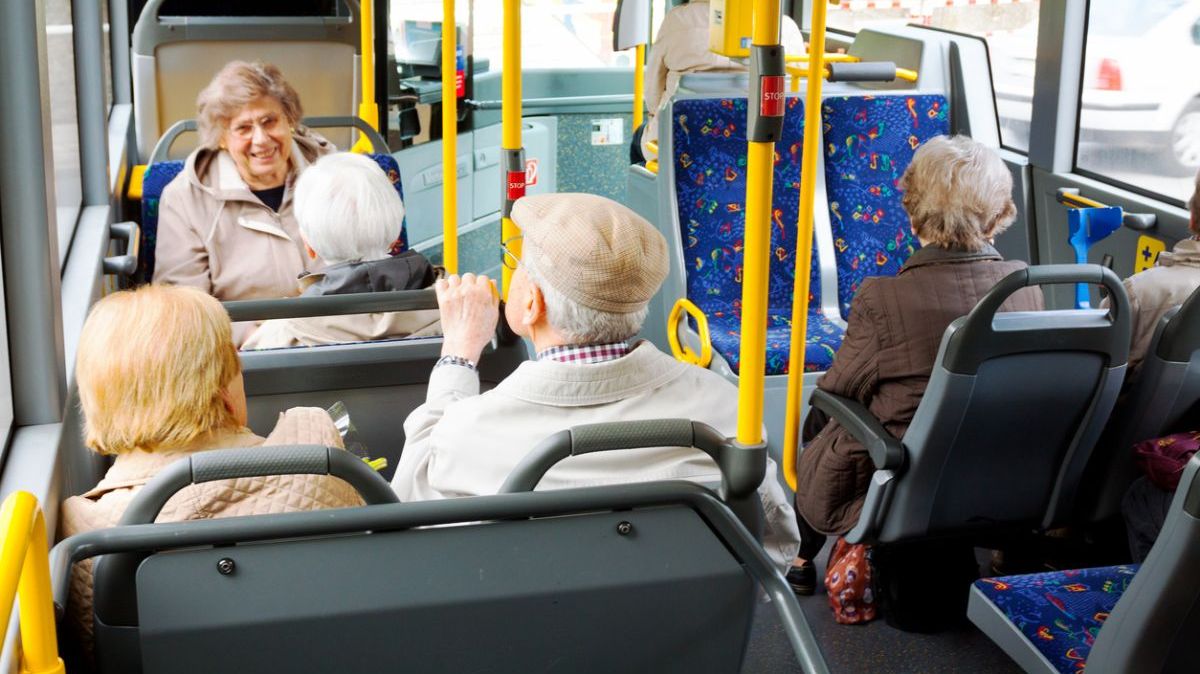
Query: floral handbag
(848, 584)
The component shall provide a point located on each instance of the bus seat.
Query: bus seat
(1163, 398)
(996, 377)
(656, 576)
(174, 57)
(709, 167)
(869, 142)
(1115, 619)
(159, 174)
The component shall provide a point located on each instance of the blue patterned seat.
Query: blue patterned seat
(158, 175)
(869, 142)
(1060, 613)
(710, 184)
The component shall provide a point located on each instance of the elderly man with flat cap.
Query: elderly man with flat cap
(579, 294)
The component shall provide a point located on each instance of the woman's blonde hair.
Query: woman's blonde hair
(237, 85)
(958, 193)
(152, 367)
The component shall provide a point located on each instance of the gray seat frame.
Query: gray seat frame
(682, 534)
(1165, 389)
(984, 358)
(1154, 625)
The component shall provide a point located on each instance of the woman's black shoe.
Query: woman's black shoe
(803, 579)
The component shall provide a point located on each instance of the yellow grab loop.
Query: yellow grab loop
(510, 121)
(639, 85)
(683, 352)
(449, 138)
(25, 571)
(808, 188)
(368, 111)
(759, 176)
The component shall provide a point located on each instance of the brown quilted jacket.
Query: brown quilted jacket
(103, 506)
(885, 361)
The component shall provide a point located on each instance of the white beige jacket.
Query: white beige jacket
(681, 47)
(1155, 291)
(463, 443)
(103, 506)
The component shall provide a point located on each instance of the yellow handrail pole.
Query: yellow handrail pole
(368, 111)
(449, 139)
(25, 570)
(804, 236)
(759, 177)
(639, 85)
(513, 175)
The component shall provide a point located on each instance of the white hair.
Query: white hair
(347, 208)
(958, 193)
(575, 322)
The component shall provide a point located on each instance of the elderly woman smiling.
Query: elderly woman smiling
(225, 222)
(958, 195)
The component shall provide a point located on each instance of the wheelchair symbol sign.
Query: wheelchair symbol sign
(1148, 249)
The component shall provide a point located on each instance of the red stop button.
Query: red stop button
(516, 185)
(771, 104)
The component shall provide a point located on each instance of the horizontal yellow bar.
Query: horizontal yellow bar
(827, 58)
(1078, 201)
(906, 74)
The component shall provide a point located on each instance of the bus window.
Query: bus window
(554, 33)
(64, 120)
(1011, 32)
(1139, 116)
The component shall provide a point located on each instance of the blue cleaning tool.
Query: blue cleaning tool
(1086, 226)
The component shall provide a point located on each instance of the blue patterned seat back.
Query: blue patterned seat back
(709, 140)
(869, 142)
(160, 174)
(1060, 612)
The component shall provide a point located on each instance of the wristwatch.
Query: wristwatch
(456, 360)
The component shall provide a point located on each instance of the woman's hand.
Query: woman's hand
(469, 307)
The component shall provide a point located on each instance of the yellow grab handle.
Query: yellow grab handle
(683, 352)
(136, 176)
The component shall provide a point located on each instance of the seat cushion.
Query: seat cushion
(1061, 612)
(709, 140)
(869, 142)
(824, 338)
(158, 175)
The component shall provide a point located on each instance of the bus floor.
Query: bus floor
(874, 647)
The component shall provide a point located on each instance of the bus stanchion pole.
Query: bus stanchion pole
(449, 138)
(804, 236)
(513, 175)
(639, 85)
(764, 126)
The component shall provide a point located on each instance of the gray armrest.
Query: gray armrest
(886, 451)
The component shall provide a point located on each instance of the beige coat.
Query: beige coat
(463, 443)
(103, 506)
(681, 47)
(214, 234)
(1155, 291)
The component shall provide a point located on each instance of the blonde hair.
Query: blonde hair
(347, 208)
(958, 193)
(152, 367)
(237, 85)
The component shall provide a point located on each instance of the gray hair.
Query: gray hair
(237, 85)
(347, 208)
(575, 322)
(958, 193)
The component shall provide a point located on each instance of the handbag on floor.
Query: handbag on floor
(848, 584)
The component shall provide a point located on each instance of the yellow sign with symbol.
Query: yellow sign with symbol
(1148, 249)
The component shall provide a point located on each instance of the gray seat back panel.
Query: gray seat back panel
(494, 597)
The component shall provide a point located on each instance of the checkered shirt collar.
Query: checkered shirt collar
(584, 354)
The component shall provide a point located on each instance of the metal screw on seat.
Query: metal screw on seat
(225, 566)
(624, 528)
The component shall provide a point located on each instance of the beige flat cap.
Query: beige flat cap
(593, 250)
